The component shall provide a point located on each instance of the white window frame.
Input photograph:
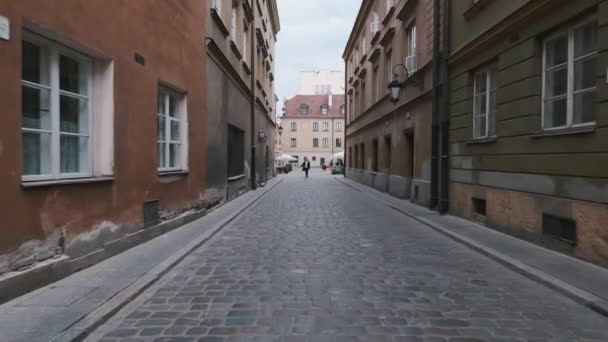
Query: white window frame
(487, 71)
(54, 51)
(338, 127)
(315, 126)
(182, 118)
(340, 142)
(233, 24)
(293, 142)
(317, 142)
(326, 127)
(325, 142)
(570, 92)
(294, 126)
(245, 36)
(324, 110)
(411, 41)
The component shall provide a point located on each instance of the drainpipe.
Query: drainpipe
(435, 110)
(444, 204)
(253, 135)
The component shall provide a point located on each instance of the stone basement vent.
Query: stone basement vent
(560, 228)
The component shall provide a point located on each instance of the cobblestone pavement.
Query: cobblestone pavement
(318, 261)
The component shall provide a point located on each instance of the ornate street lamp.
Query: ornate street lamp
(280, 130)
(395, 85)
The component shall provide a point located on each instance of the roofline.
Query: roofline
(356, 27)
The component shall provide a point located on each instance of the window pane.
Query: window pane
(585, 39)
(175, 134)
(584, 73)
(74, 116)
(72, 76)
(480, 104)
(34, 63)
(161, 155)
(160, 103)
(173, 106)
(480, 82)
(74, 154)
(557, 82)
(584, 107)
(160, 127)
(36, 153)
(556, 113)
(174, 155)
(36, 108)
(480, 127)
(557, 51)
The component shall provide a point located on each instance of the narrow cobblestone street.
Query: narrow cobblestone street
(316, 260)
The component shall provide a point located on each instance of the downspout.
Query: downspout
(435, 110)
(444, 205)
(253, 69)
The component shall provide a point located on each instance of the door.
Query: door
(322, 162)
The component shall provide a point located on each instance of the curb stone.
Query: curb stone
(88, 323)
(580, 296)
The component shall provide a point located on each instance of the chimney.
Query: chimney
(329, 100)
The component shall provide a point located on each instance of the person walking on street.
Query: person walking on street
(306, 166)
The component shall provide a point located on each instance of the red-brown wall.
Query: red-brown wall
(170, 35)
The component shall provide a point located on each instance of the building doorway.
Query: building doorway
(409, 162)
(322, 162)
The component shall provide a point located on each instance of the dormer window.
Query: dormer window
(324, 109)
(343, 110)
(304, 109)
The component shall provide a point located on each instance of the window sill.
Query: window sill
(235, 178)
(38, 184)
(565, 131)
(172, 173)
(488, 140)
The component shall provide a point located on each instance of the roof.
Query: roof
(314, 102)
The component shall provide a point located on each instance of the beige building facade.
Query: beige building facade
(389, 145)
(321, 82)
(313, 127)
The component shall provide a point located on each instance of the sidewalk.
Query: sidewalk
(85, 299)
(579, 280)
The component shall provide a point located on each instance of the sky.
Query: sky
(313, 37)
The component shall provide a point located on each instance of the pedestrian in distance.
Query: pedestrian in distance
(306, 166)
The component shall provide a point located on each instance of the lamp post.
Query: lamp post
(395, 85)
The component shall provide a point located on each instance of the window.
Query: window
(170, 119)
(363, 166)
(233, 24)
(325, 142)
(569, 74)
(315, 142)
(411, 41)
(315, 126)
(374, 25)
(57, 121)
(245, 33)
(293, 142)
(363, 46)
(388, 153)
(325, 126)
(304, 109)
(236, 151)
(294, 126)
(342, 110)
(338, 142)
(324, 109)
(363, 94)
(375, 84)
(484, 103)
(388, 65)
(375, 156)
(338, 127)
(216, 5)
